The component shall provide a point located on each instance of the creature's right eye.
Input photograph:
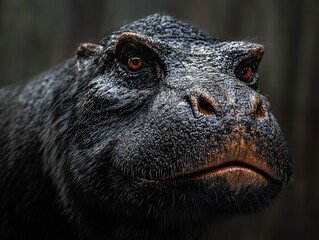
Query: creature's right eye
(245, 74)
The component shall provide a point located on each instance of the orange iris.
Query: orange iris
(135, 63)
(246, 73)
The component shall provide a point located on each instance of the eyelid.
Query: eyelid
(130, 54)
(132, 42)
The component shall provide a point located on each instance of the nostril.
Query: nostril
(258, 109)
(204, 105)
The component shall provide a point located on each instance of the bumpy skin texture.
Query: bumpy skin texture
(95, 150)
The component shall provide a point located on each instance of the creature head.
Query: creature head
(162, 120)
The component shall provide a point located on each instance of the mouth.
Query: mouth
(233, 170)
(239, 167)
(238, 170)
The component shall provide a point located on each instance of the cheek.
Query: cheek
(107, 95)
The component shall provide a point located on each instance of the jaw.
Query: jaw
(231, 175)
(193, 205)
(204, 196)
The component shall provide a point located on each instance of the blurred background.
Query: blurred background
(37, 34)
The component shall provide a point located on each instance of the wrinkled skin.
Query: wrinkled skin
(95, 149)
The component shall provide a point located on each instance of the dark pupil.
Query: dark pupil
(244, 71)
(135, 61)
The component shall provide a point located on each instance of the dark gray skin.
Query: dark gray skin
(153, 133)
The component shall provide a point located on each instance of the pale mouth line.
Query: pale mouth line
(197, 173)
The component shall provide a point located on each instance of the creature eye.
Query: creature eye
(135, 63)
(245, 74)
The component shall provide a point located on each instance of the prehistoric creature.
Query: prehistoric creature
(153, 133)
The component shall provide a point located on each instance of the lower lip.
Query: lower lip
(225, 170)
(236, 176)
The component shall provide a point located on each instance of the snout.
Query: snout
(254, 106)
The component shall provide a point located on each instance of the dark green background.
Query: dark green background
(37, 34)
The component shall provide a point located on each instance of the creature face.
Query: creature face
(168, 121)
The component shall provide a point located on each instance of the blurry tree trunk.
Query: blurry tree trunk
(309, 106)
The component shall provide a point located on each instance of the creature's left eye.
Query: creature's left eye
(135, 64)
(245, 74)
